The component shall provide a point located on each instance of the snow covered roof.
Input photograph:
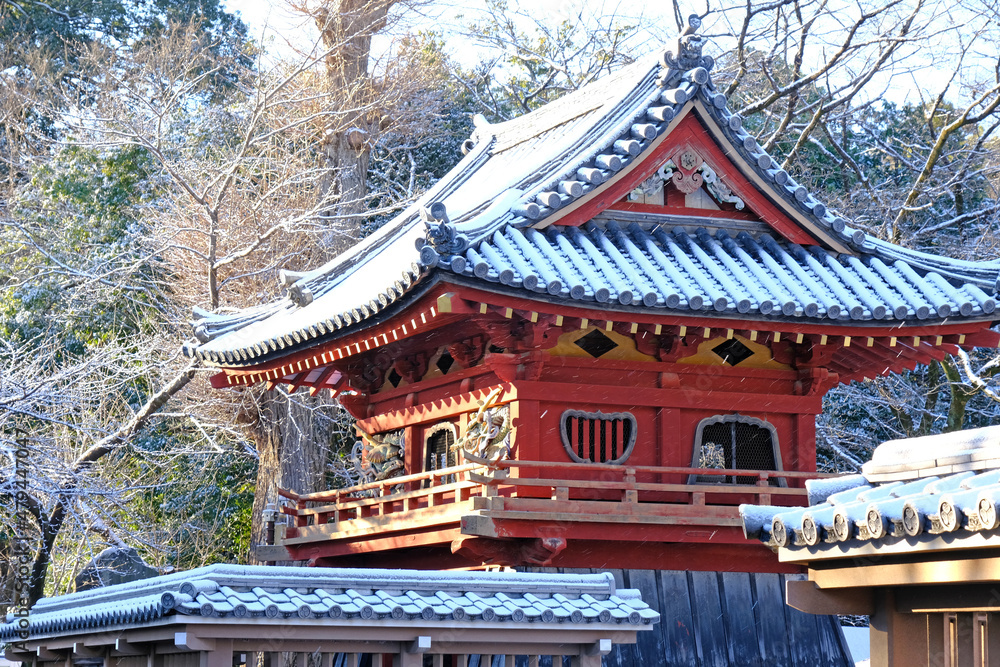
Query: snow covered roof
(944, 485)
(508, 218)
(328, 595)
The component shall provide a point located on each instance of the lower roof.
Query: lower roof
(246, 592)
(939, 492)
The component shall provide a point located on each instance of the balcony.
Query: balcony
(534, 513)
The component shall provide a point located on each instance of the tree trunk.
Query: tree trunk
(960, 395)
(347, 27)
(7, 576)
(294, 433)
(296, 436)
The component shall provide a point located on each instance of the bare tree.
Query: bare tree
(813, 79)
(532, 59)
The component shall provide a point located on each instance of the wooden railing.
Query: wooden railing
(556, 491)
(397, 494)
(522, 489)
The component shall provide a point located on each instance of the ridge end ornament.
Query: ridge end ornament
(688, 57)
(440, 234)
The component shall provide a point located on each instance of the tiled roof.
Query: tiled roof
(483, 223)
(325, 593)
(696, 270)
(935, 485)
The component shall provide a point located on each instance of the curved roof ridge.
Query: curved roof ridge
(985, 273)
(590, 97)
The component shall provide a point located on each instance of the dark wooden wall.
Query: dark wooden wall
(714, 619)
(723, 619)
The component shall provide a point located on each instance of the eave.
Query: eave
(880, 346)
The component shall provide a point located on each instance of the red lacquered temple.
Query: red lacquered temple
(612, 323)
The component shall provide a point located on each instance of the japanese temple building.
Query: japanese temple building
(609, 325)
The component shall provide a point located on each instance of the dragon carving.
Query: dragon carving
(487, 437)
(376, 458)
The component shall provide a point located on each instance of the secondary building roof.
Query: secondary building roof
(327, 595)
(935, 492)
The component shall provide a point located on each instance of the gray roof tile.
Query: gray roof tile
(714, 273)
(269, 592)
(913, 501)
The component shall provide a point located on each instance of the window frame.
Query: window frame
(430, 433)
(694, 478)
(599, 415)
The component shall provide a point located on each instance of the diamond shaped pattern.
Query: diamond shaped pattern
(596, 344)
(445, 362)
(733, 352)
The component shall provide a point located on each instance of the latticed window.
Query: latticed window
(597, 437)
(735, 442)
(439, 451)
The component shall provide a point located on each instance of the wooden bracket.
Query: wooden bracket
(83, 651)
(124, 647)
(600, 647)
(193, 643)
(804, 595)
(46, 655)
(467, 353)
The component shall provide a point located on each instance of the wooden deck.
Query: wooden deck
(462, 508)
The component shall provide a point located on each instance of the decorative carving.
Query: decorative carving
(718, 189)
(487, 437)
(467, 353)
(815, 381)
(692, 173)
(413, 367)
(689, 56)
(537, 551)
(375, 458)
(440, 234)
(651, 185)
(365, 378)
(521, 335)
(686, 176)
(646, 342)
(523, 366)
(805, 355)
(368, 376)
(677, 349)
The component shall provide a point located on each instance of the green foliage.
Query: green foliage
(195, 505)
(54, 28)
(76, 269)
